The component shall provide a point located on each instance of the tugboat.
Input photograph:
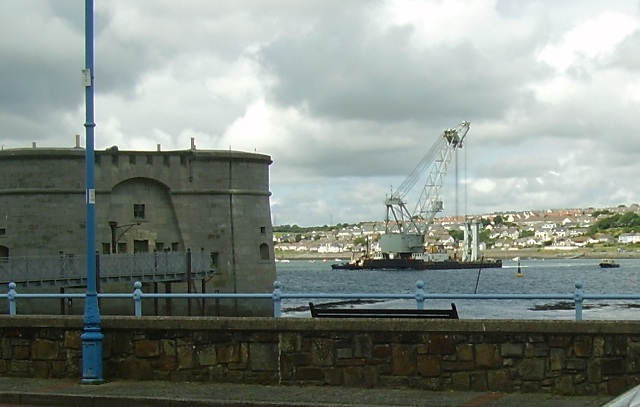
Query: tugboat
(608, 264)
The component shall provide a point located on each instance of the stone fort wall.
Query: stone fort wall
(212, 201)
(564, 357)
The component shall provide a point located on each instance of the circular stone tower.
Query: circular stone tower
(211, 203)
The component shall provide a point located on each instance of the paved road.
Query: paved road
(63, 393)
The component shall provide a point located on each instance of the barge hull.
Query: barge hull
(414, 264)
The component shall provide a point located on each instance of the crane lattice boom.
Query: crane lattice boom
(405, 230)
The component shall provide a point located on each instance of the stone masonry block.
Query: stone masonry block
(594, 371)
(556, 359)
(616, 346)
(487, 356)
(478, 381)
(612, 366)
(362, 346)
(598, 346)
(440, 344)
(532, 369)
(147, 349)
(344, 353)
(263, 356)
(403, 360)
(576, 364)
(429, 366)
(464, 352)
(45, 350)
(498, 380)
(322, 352)
(168, 347)
(290, 342)
(228, 352)
(461, 381)
(207, 356)
(582, 346)
(72, 339)
(512, 350)
(557, 341)
(186, 357)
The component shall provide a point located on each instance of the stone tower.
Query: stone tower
(212, 201)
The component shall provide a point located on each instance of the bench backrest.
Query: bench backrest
(383, 313)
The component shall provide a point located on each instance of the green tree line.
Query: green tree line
(629, 222)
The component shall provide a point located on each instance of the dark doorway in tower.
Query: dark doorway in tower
(140, 246)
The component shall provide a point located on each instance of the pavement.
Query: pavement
(66, 392)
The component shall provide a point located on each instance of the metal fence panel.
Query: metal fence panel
(70, 271)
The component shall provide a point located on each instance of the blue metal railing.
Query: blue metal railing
(277, 296)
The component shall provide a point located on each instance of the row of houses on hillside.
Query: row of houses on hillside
(562, 228)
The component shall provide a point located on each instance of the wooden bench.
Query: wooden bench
(322, 312)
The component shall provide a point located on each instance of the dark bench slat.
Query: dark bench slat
(383, 313)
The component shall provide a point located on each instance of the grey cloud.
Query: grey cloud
(348, 73)
(627, 55)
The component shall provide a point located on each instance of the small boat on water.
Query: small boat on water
(608, 263)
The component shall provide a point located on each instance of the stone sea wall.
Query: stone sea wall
(564, 357)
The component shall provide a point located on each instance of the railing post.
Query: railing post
(98, 279)
(137, 299)
(277, 299)
(11, 296)
(420, 294)
(578, 297)
(189, 281)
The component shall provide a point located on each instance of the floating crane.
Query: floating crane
(405, 230)
(403, 244)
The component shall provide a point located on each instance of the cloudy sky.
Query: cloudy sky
(347, 96)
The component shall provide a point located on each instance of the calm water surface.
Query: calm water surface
(540, 277)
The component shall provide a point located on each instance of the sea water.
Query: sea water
(549, 276)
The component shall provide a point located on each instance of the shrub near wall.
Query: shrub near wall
(567, 357)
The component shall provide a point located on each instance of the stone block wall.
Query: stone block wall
(215, 201)
(564, 357)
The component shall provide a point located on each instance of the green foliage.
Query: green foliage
(484, 238)
(629, 222)
(360, 240)
(527, 233)
(299, 229)
(457, 235)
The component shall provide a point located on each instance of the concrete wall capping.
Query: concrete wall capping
(494, 326)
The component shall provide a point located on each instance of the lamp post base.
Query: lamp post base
(92, 355)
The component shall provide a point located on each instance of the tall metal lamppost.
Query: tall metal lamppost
(92, 337)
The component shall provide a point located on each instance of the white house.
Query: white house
(627, 238)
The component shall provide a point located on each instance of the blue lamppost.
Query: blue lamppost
(92, 337)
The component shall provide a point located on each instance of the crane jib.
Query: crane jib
(406, 229)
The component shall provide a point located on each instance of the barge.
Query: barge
(414, 264)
